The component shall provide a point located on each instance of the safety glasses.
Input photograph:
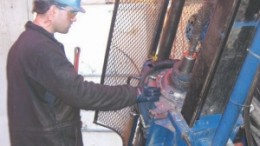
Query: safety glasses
(71, 13)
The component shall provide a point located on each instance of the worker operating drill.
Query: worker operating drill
(45, 93)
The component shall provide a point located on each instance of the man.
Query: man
(45, 94)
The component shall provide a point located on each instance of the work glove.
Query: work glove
(148, 94)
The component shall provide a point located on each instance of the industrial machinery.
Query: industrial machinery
(203, 55)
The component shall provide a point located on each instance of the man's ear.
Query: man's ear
(52, 11)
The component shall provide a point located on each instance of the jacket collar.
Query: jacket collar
(31, 25)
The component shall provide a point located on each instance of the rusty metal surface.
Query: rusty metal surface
(233, 57)
(204, 68)
(220, 59)
(181, 43)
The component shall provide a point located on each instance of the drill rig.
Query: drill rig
(203, 55)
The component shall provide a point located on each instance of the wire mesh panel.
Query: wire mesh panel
(133, 30)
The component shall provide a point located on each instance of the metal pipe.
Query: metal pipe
(239, 94)
(170, 29)
(187, 62)
(155, 43)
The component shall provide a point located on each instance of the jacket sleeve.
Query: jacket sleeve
(55, 73)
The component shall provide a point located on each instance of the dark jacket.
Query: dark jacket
(45, 93)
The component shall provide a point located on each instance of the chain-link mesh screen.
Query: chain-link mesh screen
(133, 32)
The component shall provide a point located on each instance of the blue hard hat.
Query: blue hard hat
(74, 4)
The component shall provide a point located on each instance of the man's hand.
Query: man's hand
(148, 94)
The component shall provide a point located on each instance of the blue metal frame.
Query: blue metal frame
(210, 130)
(240, 92)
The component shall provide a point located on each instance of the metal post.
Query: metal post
(170, 29)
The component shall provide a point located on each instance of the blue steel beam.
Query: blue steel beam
(239, 94)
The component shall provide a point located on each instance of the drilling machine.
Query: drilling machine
(209, 91)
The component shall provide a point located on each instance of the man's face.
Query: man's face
(64, 18)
